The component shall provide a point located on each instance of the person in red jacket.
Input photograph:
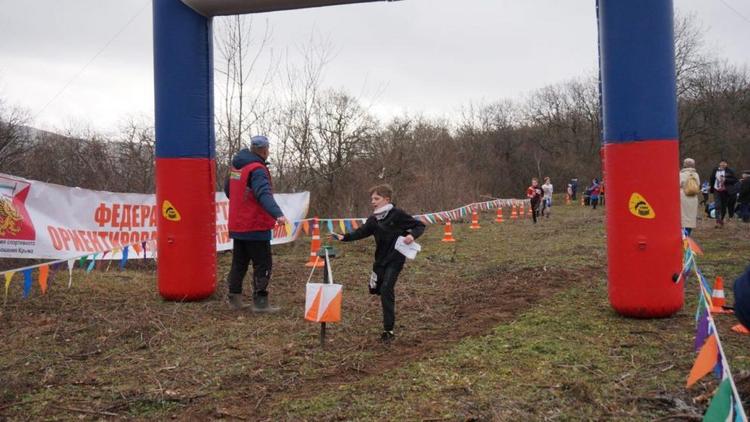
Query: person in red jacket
(534, 193)
(253, 213)
(596, 189)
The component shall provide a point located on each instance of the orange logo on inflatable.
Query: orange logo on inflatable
(169, 211)
(640, 208)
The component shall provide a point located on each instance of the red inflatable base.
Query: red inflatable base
(643, 228)
(186, 242)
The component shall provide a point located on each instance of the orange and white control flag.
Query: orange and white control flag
(323, 302)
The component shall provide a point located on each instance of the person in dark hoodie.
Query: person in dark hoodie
(722, 178)
(744, 196)
(253, 213)
(386, 223)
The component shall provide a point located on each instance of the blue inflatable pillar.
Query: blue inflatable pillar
(641, 156)
(185, 157)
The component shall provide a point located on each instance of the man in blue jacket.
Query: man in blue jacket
(253, 213)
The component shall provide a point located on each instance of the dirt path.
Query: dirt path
(436, 322)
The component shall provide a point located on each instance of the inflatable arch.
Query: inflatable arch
(639, 146)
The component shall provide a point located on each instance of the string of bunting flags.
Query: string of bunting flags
(726, 405)
(346, 225)
(46, 271)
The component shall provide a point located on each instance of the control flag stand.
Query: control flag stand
(323, 300)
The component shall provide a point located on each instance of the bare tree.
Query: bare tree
(14, 135)
(134, 155)
(294, 154)
(690, 58)
(244, 76)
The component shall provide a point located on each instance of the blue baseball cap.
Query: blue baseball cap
(259, 141)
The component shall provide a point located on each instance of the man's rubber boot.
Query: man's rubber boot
(387, 337)
(235, 302)
(261, 305)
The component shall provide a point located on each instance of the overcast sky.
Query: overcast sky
(415, 56)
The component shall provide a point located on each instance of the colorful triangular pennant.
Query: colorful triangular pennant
(43, 276)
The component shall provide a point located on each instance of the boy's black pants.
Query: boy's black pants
(721, 199)
(386, 284)
(257, 251)
(534, 208)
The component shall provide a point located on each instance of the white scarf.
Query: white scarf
(381, 212)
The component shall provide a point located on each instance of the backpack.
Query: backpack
(691, 187)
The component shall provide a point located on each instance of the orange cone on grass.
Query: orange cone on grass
(499, 218)
(717, 297)
(448, 237)
(474, 220)
(513, 213)
(521, 211)
(314, 261)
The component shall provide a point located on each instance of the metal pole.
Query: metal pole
(323, 324)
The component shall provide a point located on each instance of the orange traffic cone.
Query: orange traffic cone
(513, 214)
(521, 212)
(740, 329)
(499, 218)
(314, 261)
(717, 297)
(567, 199)
(474, 220)
(448, 237)
(582, 203)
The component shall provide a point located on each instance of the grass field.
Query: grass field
(511, 322)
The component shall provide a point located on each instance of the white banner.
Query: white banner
(42, 220)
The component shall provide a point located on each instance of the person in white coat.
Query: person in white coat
(689, 195)
(547, 198)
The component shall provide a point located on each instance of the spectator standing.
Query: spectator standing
(574, 187)
(704, 193)
(718, 186)
(595, 189)
(744, 196)
(253, 212)
(689, 190)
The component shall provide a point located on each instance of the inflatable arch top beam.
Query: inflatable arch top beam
(640, 147)
(236, 7)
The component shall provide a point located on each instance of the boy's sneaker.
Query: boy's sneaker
(387, 336)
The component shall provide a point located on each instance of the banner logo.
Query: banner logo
(15, 222)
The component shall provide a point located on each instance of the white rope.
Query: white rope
(313, 268)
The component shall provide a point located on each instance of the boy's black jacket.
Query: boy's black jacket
(386, 231)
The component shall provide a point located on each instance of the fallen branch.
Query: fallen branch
(18, 403)
(91, 412)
